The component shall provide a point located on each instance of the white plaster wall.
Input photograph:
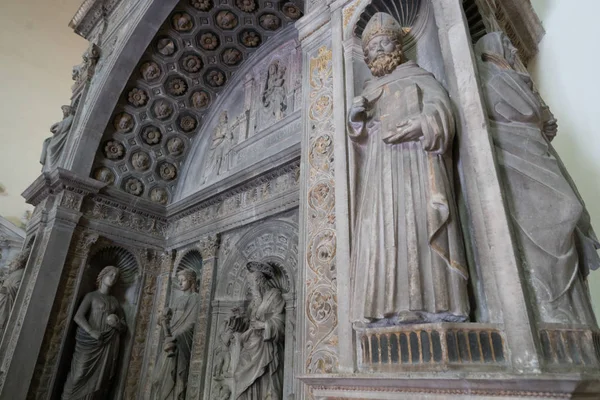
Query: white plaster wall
(566, 73)
(37, 52)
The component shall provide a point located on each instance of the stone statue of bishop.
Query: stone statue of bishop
(407, 251)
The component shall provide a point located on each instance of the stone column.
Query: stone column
(493, 248)
(64, 192)
(209, 247)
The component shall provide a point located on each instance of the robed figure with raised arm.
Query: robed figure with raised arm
(407, 251)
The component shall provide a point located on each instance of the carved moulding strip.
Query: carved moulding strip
(239, 200)
(90, 13)
(209, 247)
(575, 347)
(430, 347)
(47, 364)
(320, 296)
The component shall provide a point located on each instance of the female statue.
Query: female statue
(551, 224)
(178, 322)
(274, 96)
(259, 372)
(100, 321)
(10, 286)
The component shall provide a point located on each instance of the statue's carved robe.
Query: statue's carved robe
(550, 221)
(259, 373)
(94, 364)
(170, 382)
(53, 146)
(407, 253)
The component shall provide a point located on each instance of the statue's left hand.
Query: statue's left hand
(407, 131)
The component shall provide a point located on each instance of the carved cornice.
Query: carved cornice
(90, 13)
(58, 181)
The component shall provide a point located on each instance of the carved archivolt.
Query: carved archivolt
(273, 241)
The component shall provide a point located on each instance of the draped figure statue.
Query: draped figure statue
(53, 146)
(258, 374)
(407, 252)
(222, 141)
(551, 225)
(10, 286)
(100, 322)
(178, 322)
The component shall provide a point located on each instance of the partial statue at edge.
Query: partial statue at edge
(274, 95)
(408, 258)
(551, 224)
(178, 323)
(258, 373)
(10, 286)
(100, 322)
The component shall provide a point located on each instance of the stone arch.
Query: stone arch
(271, 241)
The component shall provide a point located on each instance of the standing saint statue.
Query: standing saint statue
(100, 321)
(274, 97)
(222, 141)
(258, 374)
(407, 253)
(178, 322)
(552, 227)
(53, 146)
(10, 286)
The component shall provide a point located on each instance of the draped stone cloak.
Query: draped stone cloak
(407, 250)
(170, 382)
(259, 373)
(8, 294)
(95, 362)
(551, 224)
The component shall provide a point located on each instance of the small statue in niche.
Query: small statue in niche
(10, 286)
(178, 323)
(258, 374)
(222, 141)
(274, 94)
(552, 226)
(54, 145)
(407, 256)
(100, 322)
(222, 363)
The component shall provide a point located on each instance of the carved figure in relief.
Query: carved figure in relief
(10, 286)
(551, 225)
(258, 373)
(407, 253)
(100, 322)
(222, 362)
(221, 391)
(178, 323)
(222, 141)
(53, 146)
(274, 95)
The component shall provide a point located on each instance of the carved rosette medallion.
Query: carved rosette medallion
(134, 186)
(114, 150)
(167, 171)
(151, 135)
(202, 5)
(191, 63)
(137, 97)
(320, 278)
(250, 38)
(291, 11)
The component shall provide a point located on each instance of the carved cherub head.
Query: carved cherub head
(382, 44)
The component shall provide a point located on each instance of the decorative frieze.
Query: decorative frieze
(320, 279)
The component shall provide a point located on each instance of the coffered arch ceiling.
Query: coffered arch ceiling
(188, 63)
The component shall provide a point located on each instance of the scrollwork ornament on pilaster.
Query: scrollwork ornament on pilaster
(209, 246)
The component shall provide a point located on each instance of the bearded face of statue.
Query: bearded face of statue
(383, 54)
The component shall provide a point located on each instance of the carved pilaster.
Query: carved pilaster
(209, 247)
(54, 338)
(152, 263)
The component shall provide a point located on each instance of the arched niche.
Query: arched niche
(127, 291)
(274, 242)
